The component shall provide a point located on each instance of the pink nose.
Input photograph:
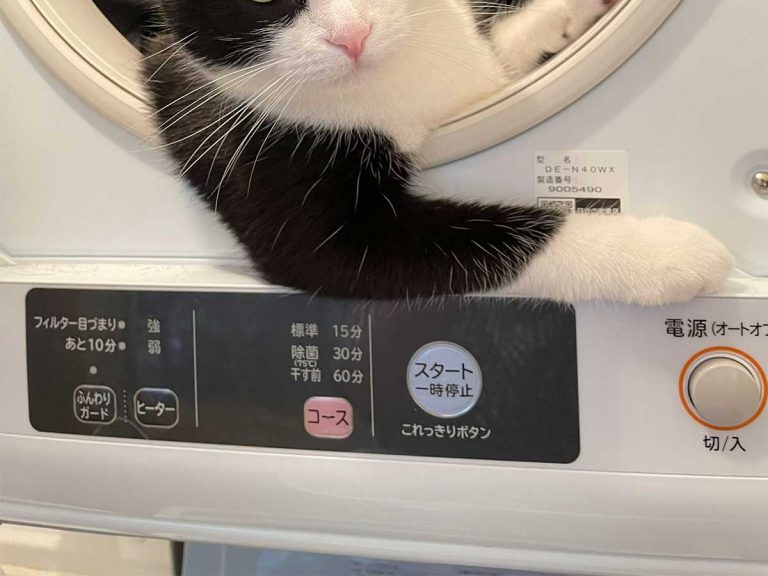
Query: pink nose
(351, 40)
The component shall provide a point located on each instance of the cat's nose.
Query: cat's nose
(351, 40)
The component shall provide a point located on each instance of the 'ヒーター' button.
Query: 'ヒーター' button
(95, 404)
(444, 379)
(328, 417)
(156, 407)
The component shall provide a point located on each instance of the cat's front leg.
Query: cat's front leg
(625, 259)
(542, 27)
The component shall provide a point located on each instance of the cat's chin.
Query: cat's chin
(342, 77)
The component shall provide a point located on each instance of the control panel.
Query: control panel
(514, 421)
(482, 378)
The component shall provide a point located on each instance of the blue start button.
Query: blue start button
(444, 379)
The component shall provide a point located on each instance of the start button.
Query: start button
(444, 379)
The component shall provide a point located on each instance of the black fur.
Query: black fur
(132, 17)
(228, 32)
(487, 11)
(336, 214)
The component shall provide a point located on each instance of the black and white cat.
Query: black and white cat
(300, 123)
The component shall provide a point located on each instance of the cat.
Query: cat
(300, 122)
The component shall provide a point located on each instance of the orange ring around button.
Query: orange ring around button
(737, 352)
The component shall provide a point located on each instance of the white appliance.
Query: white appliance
(601, 440)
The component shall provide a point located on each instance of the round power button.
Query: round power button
(724, 392)
(723, 388)
(444, 379)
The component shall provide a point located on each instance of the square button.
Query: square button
(95, 404)
(328, 417)
(156, 407)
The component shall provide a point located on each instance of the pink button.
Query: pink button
(328, 417)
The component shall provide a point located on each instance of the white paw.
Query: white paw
(683, 260)
(543, 27)
(566, 21)
(623, 259)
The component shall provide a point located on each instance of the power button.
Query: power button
(444, 379)
(723, 388)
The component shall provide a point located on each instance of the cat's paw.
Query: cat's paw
(683, 260)
(541, 28)
(570, 19)
(624, 259)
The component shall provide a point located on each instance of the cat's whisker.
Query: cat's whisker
(277, 236)
(192, 161)
(245, 111)
(330, 237)
(173, 54)
(222, 87)
(311, 188)
(168, 124)
(240, 115)
(423, 33)
(464, 65)
(218, 80)
(217, 121)
(294, 89)
(169, 47)
(494, 8)
(282, 91)
(277, 85)
(362, 263)
(201, 87)
(237, 113)
(276, 122)
(436, 71)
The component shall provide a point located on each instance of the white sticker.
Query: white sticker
(583, 181)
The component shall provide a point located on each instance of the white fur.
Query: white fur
(621, 258)
(543, 26)
(425, 61)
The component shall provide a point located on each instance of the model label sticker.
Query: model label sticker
(582, 181)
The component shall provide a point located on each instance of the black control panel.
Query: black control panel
(481, 378)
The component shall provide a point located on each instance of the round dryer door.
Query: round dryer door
(91, 46)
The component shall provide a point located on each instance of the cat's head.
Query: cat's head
(322, 40)
(399, 67)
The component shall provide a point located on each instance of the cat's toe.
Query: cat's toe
(582, 15)
(543, 28)
(567, 20)
(687, 260)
